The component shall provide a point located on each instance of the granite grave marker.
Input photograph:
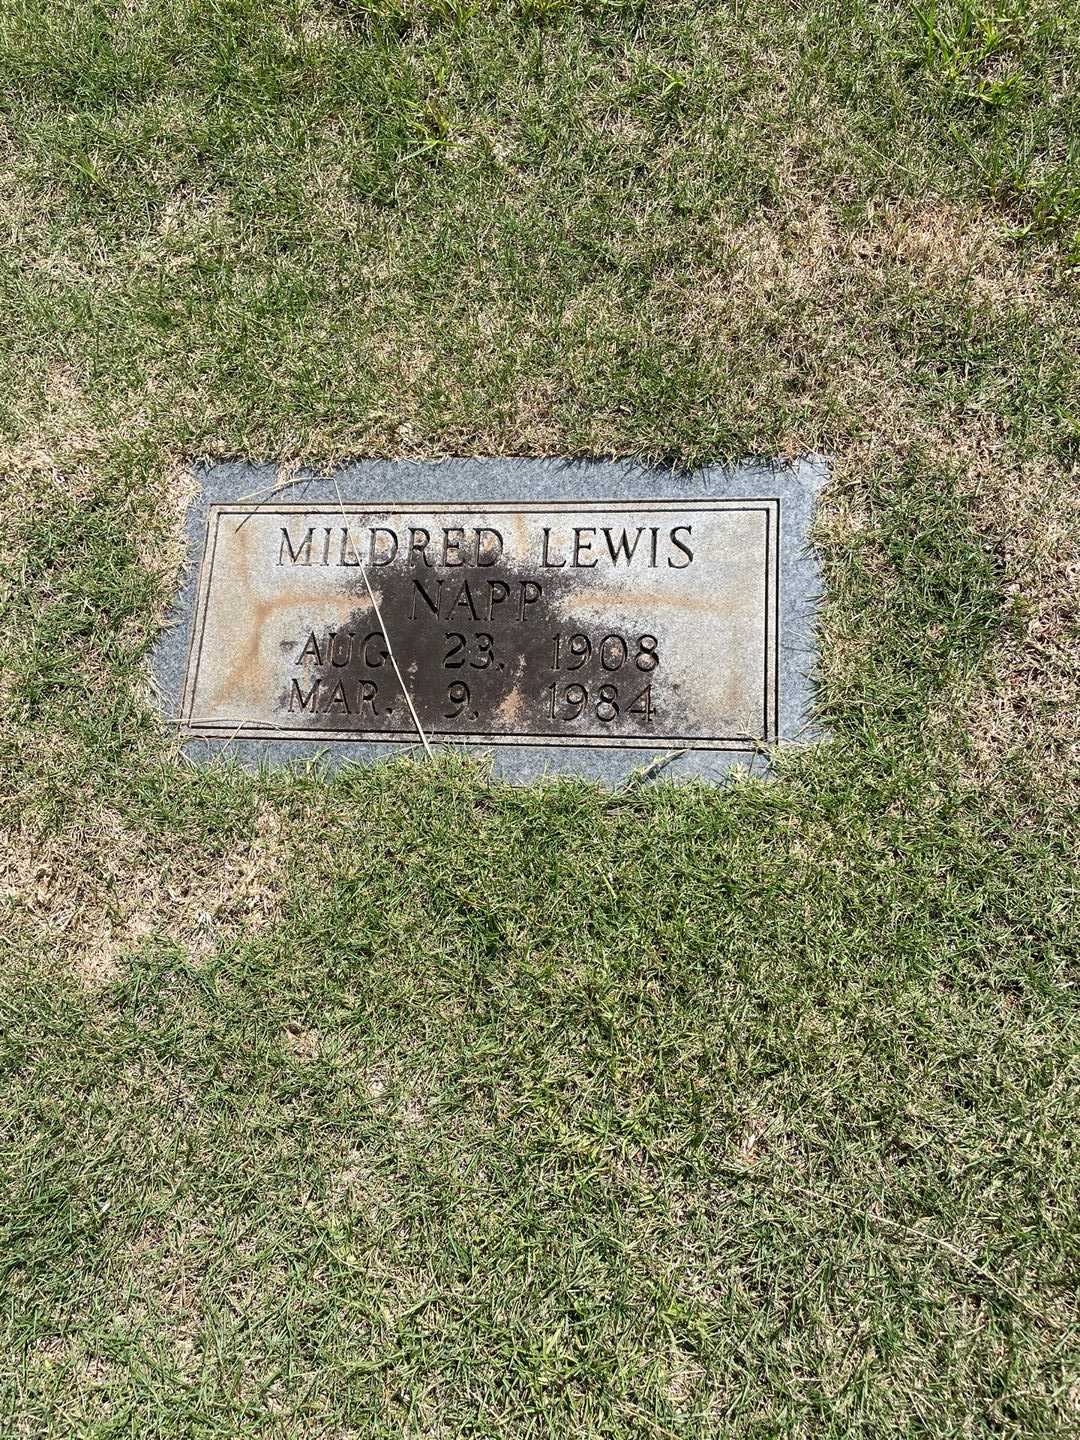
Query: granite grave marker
(576, 616)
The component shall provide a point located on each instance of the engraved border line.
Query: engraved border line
(213, 729)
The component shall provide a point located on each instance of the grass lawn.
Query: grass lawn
(394, 1102)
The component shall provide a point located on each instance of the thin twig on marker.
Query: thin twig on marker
(382, 623)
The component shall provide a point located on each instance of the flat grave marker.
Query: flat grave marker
(582, 617)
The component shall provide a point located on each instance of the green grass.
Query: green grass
(399, 1102)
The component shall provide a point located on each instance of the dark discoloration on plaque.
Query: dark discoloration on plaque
(629, 624)
(471, 651)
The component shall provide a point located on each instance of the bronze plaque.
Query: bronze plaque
(646, 623)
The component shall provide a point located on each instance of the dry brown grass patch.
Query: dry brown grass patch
(1030, 515)
(95, 891)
